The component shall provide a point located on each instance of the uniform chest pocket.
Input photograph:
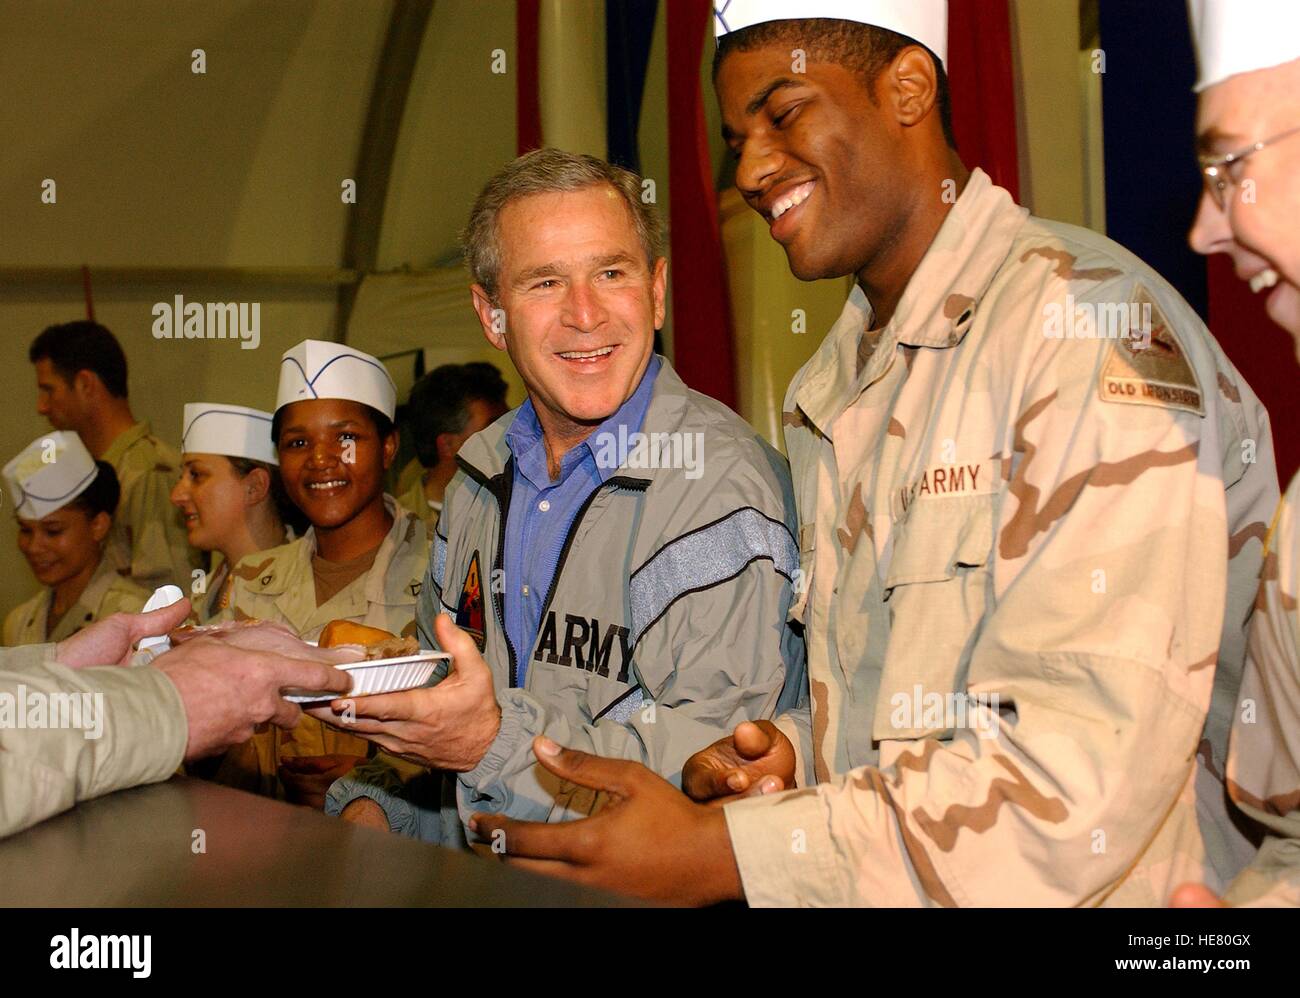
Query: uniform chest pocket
(937, 591)
(941, 539)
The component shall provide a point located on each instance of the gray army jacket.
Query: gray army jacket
(666, 624)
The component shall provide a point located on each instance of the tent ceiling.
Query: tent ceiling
(240, 166)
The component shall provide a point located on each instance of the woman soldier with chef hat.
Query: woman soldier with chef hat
(64, 502)
(229, 493)
(362, 559)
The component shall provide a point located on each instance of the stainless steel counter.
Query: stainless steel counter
(192, 843)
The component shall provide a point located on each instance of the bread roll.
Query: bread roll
(344, 632)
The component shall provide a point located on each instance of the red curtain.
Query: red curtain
(1262, 351)
(983, 89)
(704, 354)
(528, 106)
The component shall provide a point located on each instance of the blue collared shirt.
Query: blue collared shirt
(542, 511)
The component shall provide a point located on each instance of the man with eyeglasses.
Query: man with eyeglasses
(1248, 124)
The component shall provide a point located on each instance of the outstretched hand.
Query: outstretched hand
(109, 641)
(649, 841)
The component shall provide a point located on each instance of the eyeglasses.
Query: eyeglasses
(1214, 169)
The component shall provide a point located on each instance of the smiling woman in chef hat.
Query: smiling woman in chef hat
(64, 501)
(363, 558)
(229, 492)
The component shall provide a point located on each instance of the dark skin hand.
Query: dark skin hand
(649, 841)
(756, 758)
(307, 778)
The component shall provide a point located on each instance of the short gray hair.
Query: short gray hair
(548, 171)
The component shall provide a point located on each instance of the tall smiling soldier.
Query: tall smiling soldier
(987, 508)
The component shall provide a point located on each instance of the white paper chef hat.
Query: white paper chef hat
(316, 369)
(1240, 36)
(48, 474)
(232, 430)
(924, 20)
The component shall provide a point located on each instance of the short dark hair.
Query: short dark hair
(863, 48)
(439, 403)
(102, 494)
(82, 345)
(383, 425)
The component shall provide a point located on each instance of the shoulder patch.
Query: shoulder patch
(469, 608)
(1154, 370)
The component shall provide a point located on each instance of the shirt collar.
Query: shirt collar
(524, 436)
(937, 308)
(124, 440)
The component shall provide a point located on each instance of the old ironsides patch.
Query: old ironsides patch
(1149, 367)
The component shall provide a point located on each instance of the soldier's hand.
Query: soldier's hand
(1193, 895)
(650, 840)
(307, 778)
(755, 759)
(109, 641)
(227, 690)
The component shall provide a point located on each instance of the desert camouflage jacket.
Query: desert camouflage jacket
(105, 594)
(1032, 554)
(1264, 754)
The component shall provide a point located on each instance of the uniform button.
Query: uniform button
(525, 590)
(544, 505)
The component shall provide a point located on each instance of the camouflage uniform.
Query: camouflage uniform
(1264, 755)
(47, 770)
(278, 584)
(105, 594)
(1072, 524)
(414, 500)
(148, 541)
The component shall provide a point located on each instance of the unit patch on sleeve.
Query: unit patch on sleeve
(1150, 370)
(469, 608)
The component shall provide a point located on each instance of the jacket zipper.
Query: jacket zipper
(500, 487)
(498, 561)
(633, 484)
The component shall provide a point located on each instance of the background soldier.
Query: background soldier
(81, 386)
